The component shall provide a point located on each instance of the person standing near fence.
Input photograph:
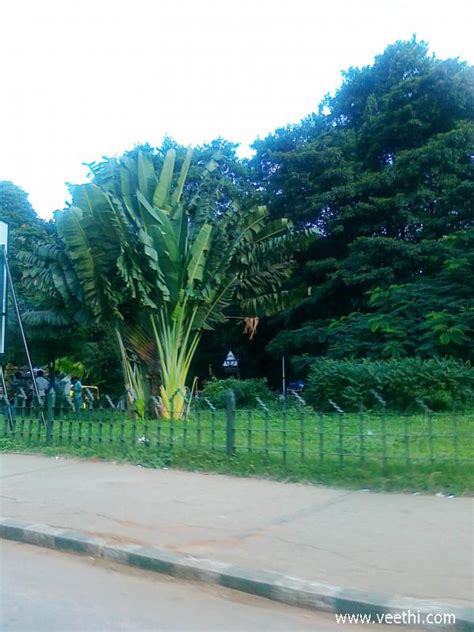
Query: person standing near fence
(63, 389)
(42, 385)
(76, 393)
(16, 390)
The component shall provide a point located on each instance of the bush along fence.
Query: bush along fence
(285, 436)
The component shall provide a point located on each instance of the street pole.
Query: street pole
(283, 376)
(6, 399)
(22, 331)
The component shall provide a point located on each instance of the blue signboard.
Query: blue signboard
(231, 363)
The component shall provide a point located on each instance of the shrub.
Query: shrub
(441, 384)
(246, 392)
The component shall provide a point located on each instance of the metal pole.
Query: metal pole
(230, 422)
(5, 398)
(283, 376)
(49, 426)
(22, 331)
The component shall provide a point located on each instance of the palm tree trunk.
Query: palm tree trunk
(135, 380)
(176, 345)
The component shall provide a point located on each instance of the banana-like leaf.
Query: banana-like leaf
(162, 190)
(180, 223)
(61, 285)
(146, 176)
(47, 318)
(176, 197)
(162, 221)
(95, 285)
(139, 336)
(198, 253)
(272, 229)
(128, 189)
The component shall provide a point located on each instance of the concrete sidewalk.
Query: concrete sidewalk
(412, 545)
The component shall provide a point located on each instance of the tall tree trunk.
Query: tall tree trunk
(176, 345)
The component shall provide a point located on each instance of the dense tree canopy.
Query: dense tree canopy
(384, 170)
(89, 346)
(25, 230)
(159, 260)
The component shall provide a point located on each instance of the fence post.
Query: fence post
(50, 418)
(230, 422)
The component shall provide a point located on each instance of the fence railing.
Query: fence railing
(288, 435)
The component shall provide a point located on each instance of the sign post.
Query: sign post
(3, 318)
(231, 364)
(6, 284)
(3, 288)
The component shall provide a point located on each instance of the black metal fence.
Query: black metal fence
(287, 434)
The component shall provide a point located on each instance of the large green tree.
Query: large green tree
(25, 227)
(160, 262)
(26, 230)
(384, 170)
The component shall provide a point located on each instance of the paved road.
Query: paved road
(419, 546)
(51, 591)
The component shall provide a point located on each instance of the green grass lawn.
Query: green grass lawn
(376, 451)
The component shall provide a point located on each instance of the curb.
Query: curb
(283, 588)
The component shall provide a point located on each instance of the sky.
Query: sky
(81, 79)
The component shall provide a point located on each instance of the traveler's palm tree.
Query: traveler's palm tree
(135, 255)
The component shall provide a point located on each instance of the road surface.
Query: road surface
(397, 544)
(45, 590)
